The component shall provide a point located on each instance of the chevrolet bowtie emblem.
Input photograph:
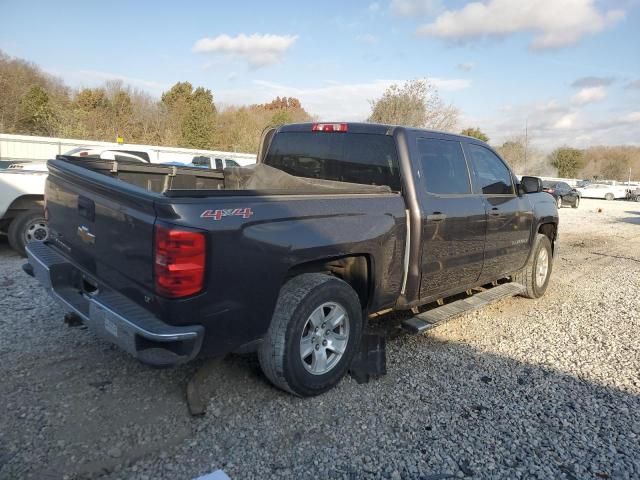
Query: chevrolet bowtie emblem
(86, 236)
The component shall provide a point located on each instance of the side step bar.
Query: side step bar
(432, 318)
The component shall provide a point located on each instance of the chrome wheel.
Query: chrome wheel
(324, 338)
(559, 202)
(36, 230)
(542, 267)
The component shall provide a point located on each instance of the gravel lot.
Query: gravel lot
(524, 389)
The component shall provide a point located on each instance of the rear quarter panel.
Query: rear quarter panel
(248, 259)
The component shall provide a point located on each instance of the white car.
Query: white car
(109, 153)
(602, 190)
(22, 217)
(21, 206)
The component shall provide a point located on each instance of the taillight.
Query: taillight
(179, 262)
(329, 127)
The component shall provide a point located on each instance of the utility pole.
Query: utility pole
(526, 142)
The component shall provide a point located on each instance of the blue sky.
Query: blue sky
(571, 68)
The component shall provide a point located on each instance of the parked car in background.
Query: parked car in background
(36, 165)
(206, 162)
(105, 153)
(633, 194)
(21, 206)
(602, 190)
(214, 163)
(562, 193)
(22, 217)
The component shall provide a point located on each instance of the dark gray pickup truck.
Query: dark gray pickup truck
(336, 223)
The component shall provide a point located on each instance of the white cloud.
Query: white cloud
(633, 117)
(257, 50)
(374, 7)
(589, 95)
(332, 101)
(566, 121)
(416, 7)
(554, 23)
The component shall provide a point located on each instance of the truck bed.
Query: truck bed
(177, 181)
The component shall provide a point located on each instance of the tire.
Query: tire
(576, 203)
(26, 227)
(559, 202)
(609, 196)
(304, 300)
(528, 276)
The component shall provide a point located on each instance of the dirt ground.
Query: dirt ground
(74, 406)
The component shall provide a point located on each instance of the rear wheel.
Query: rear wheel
(559, 202)
(576, 203)
(535, 275)
(313, 336)
(26, 227)
(609, 196)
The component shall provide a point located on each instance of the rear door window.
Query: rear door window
(492, 177)
(443, 166)
(369, 159)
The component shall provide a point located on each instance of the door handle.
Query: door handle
(436, 217)
(86, 208)
(495, 212)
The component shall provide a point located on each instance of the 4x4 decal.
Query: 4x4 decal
(227, 212)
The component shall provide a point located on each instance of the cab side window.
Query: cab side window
(491, 174)
(443, 167)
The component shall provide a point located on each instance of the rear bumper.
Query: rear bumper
(111, 315)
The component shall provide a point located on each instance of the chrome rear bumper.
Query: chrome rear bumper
(111, 315)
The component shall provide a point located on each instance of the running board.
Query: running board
(432, 318)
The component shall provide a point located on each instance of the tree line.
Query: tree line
(615, 162)
(33, 102)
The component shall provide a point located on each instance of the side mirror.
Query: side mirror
(530, 184)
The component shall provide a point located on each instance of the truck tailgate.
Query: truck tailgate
(102, 225)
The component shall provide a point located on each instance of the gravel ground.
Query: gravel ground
(546, 388)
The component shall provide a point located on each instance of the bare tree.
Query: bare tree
(414, 104)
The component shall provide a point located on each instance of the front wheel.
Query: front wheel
(314, 333)
(576, 203)
(28, 226)
(537, 272)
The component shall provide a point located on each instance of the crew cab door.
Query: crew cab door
(509, 216)
(453, 218)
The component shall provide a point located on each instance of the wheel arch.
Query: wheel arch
(550, 230)
(353, 269)
(24, 202)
